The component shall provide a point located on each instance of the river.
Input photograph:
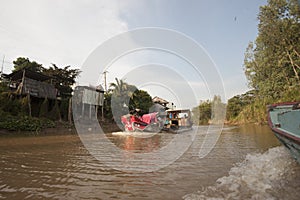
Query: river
(247, 163)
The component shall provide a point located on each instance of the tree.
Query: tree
(123, 97)
(236, 104)
(202, 113)
(107, 106)
(272, 63)
(24, 63)
(218, 110)
(63, 79)
(141, 100)
(121, 93)
(121, 88)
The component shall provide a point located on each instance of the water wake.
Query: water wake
(134, 134)
(260, 176)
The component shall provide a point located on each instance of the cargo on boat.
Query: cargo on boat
(178, 121)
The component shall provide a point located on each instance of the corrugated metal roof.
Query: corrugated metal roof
(159, 100)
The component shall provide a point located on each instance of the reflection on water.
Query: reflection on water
(59, 167)
(138, 144)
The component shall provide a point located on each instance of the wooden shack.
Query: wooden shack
(34, 85)
(25, 82)
(87, 97)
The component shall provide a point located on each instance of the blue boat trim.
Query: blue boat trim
(284, 120)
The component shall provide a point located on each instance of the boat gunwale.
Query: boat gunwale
(278, 130)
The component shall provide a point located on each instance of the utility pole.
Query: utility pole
(2, 65)
(1, 73)
(105, 85)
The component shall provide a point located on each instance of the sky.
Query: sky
(67, 32)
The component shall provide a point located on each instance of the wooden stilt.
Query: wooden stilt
(70, 111)
(102, 115)
(90, 113)
(82, 110)
(29, 104)
(96, 113)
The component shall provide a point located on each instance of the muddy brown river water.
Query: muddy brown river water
(247, 163)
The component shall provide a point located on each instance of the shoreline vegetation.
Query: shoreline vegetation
(271, 63)
(271, 66)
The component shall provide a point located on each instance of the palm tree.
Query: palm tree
(121, 93)
(118, 87)
(122, 89)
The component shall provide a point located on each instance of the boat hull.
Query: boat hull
(292, 145)
(284, 120)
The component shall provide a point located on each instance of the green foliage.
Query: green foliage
(236, 104)
(3, 86)
(125, 97)
(63, 80)
(291, 94)
(122, 89)
(218, 110)
(272, 62)
(22, 63)
(13, 118)
(202, 113)
(24, 123)
(253, 113)
(107, 106)
(209, 111)
(12, 104)
(122, 92)
(141, 100)
(9, 103)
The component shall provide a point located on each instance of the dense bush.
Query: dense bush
(9, 103)
(23, 123)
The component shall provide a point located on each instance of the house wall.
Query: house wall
(38, 89)
(92, 97)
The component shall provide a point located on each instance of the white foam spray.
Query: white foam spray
(259, 176)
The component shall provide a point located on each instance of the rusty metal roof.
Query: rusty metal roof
(17, 75)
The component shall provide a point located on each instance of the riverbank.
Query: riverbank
(60, 128)
(242, 123)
